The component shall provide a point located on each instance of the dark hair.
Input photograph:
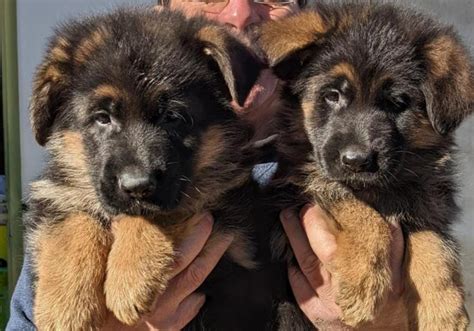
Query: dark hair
(301, 3)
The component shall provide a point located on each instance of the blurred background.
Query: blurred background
(25, 26)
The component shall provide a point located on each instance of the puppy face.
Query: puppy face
(368, 84)
(357, 114)
(149, 95)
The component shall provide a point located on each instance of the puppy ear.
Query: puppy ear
(290, 41)
(50, 83)
(449, 90)
(238, 65)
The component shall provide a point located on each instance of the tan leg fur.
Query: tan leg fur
(71, 260)
(139, 266)
(361, 266)
(434, 297)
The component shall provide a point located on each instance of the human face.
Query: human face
(237, 14)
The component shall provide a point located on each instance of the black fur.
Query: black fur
(169, 92)
(375, 117)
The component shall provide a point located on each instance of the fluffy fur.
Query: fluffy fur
(134, 109)
(373, 95)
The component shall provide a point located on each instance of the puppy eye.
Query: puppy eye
(173, 117)
(103, 118)
(332, 97)
(400, 103)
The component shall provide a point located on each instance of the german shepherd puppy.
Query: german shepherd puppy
(373, 94)
(134, 109)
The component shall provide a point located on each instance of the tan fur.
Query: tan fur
(52, 73)
(108, 91)
(282, 38)
(213, 35)
(90, 44)
(346, 70)
(308, 103)
(433, 298)
(217, 40)
(139, 265)
(211, 147)
(361, 264)
(308, 108)
(441, 53)
(437, 302)
(83, 265)
(422, 134)
(71, 258)
(448, 58)
(240, 250)
(68, 149)
(59, 54)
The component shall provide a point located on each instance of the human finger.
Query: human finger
(317, 309)
(194, 275)
(307, 259)
(189, 308)
(186, 311)
(319, 229)
(192, 245)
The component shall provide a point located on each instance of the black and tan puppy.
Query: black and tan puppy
(373, 94)
(134, 109)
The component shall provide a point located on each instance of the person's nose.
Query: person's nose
(239, 14)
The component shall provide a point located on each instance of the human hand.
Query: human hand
(314, 245)
(179, 304)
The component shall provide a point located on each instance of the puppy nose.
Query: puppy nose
(358, 159)
(136, 183)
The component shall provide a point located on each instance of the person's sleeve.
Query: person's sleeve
(21, 306)
(263, 173)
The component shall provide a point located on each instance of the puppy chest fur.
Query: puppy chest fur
(372, 101)
(134, 109)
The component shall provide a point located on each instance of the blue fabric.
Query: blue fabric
(262, 173)
(21, 306)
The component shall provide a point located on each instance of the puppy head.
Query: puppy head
(149, 93)
(374, 84)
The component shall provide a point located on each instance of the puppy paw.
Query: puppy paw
(361, 265)
(362, 296)
(138, 268)
(434, 293)
(70, 262)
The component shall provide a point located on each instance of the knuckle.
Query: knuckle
(196, 274)
(328, 253)
(309, 263)
(178, 261)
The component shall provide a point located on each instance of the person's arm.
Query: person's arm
(21, 306)
(314, 246)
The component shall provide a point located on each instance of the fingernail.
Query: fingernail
(229, 238)
(203, 219)
(201, 298)
(207, 218)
